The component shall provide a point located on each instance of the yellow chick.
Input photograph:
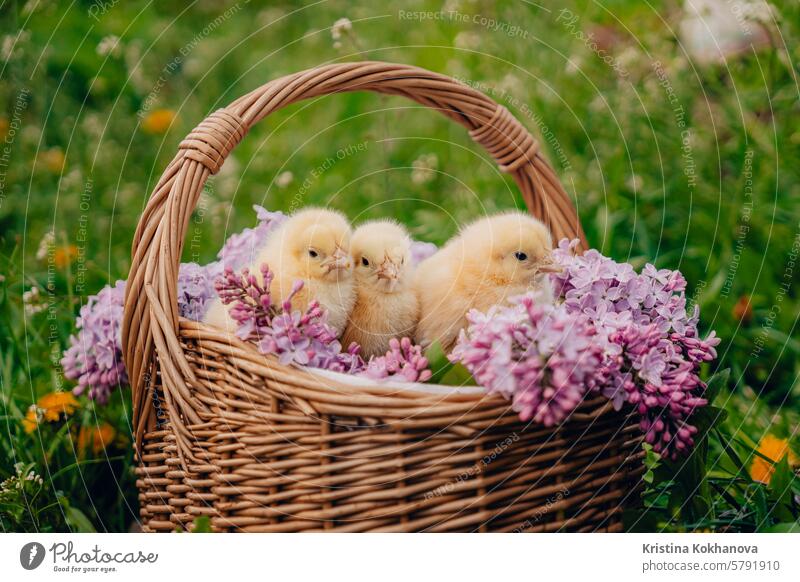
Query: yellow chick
(312, 246)
(386, 304)
(489, 261)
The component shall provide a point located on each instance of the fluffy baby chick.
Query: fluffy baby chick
(490, 260)
(386, 304)
(313, 245)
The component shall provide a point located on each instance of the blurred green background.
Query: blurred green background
(676, 136)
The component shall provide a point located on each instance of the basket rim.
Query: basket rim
(592, 406)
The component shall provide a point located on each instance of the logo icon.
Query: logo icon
(31, 555)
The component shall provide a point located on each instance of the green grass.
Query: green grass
(618, 143)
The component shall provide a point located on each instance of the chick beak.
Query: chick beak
(548, 265)
(340, 259)
(389, 272)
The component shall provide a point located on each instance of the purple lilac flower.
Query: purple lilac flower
(94, 356)
(404, 361)
(626, 335)
(240, 249)
(196, 288)
(295, 337)
(656, 352)
(304, 338)
(538, 355)
(421, 250)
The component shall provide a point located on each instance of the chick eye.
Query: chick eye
(313, 254)
(521, 256)
(365, 261)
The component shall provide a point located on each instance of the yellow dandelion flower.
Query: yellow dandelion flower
(773, 448)
(63, 256)
(53, 159)
(32, 418)
(95, 438)
(49, 408)
(158, 121)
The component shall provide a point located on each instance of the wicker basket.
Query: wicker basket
(223, 431)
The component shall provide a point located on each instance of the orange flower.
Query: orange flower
(95, 438)
(64, 256)
(773, 448)
(158, 121)
(743, 311)
(49, 408)
(53, 159)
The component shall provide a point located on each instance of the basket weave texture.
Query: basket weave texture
(224, 431)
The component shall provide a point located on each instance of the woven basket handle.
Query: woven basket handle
(151, 314)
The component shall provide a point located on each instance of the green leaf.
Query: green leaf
(437, 362)
(444, 371)
(76, 519)
(780, 486)
(202, 524)
(716, 383)
(725, 442)
(458, 375)
(761, 507)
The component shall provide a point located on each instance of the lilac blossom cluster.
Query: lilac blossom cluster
(404, 361)
(304, 337)
(537, 355)
(295, 337)
(613, 331)
(94, 355)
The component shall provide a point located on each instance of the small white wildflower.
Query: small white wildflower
(32, 301)
(467, 40)
(629, 57)
(511, 85)
(2, 278)
(284, 179)
(47, 242)
(598, 104)
(635, 182)
(29, 7)
(341, 27)
(109, 45)
(7, 47)
(759, 11)
(423, 168)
